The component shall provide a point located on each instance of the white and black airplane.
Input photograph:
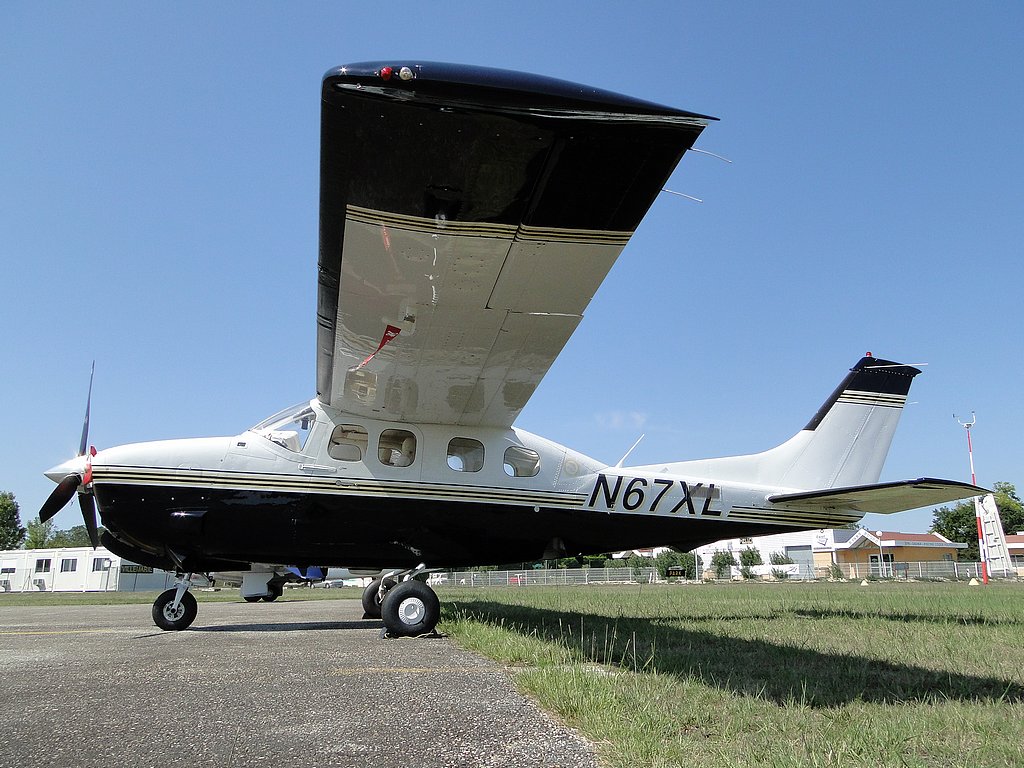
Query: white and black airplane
(467, 217)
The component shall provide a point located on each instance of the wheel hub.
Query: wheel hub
(411, 610)
(173, 613)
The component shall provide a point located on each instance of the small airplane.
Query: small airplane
(467, 217)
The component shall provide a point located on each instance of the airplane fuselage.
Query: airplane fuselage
(338, 490)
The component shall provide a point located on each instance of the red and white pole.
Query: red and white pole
(982, 551)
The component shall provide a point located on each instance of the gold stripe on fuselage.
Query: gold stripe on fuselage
(193, 478)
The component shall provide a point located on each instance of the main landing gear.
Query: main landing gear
(176, 608)
(408, 609)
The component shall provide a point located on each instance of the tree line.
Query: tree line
(35, 534)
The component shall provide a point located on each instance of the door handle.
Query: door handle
(318, 468)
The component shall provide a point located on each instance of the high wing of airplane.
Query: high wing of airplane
(467, 217)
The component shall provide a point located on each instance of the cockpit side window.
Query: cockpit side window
(465, 454)
(290, 428)
(348, 443)
(521, 462)
(396, 448)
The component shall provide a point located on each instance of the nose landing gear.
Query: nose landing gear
(176, 608)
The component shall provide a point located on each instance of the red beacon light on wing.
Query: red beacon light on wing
(404, 73)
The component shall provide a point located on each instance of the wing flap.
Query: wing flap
(882, 498)
(555, 276)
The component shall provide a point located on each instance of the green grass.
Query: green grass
(770, 674)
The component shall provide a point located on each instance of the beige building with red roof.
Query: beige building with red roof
(866, 550)
(1015, 546)
(859, 553)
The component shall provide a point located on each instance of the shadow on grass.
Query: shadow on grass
(908, 618)
(779, 672)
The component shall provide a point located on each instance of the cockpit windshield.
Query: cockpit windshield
(288, 428)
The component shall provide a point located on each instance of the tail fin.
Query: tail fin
(844, 444)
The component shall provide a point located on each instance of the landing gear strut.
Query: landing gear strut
(176, 608)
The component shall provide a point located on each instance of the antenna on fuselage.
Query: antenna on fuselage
(626, 456)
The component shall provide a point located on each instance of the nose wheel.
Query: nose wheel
(176, 608)
(410, 609)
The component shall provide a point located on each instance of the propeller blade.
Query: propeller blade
(60, 496)
(88, 504)
(84, 443)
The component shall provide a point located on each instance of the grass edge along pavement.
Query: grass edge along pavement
(784, 674)
(780, 675)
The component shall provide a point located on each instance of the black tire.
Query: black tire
(276, 590)
(410, 609)
(251, 598)
(173, 620)
(371, 603)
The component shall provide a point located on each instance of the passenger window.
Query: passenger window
(465, 454)
(521, 462)
(348, 443)
(396, 448)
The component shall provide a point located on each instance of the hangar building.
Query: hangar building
(76, 569)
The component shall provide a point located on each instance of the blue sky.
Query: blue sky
(158, 213)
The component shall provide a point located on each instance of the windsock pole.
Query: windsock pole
(982, 552)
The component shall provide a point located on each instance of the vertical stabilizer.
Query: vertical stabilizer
(851, 433)
(844, 444)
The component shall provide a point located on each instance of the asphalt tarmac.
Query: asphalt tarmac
(303, 683)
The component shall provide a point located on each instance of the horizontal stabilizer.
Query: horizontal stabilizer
(882, 498)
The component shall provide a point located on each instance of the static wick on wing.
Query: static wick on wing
(712, 154)
(702, 152)
(682, 194)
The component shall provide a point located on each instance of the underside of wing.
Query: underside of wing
(467, 217)
(882, 498)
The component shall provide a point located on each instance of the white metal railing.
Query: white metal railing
(546, 577)
(938, 570)
(949, 570)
